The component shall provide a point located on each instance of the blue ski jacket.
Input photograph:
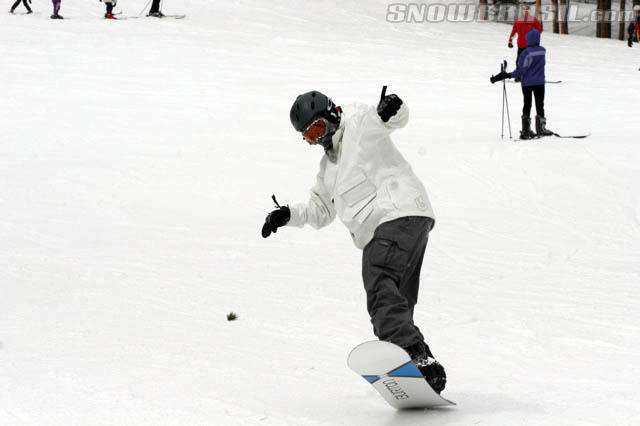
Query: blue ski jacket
(532, 61)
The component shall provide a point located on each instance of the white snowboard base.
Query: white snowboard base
(392, 373)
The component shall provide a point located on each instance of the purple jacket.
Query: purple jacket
(532, 61)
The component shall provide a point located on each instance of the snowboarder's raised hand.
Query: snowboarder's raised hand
(501, 76)
(389, 105)
(510, 45)
(276, 219)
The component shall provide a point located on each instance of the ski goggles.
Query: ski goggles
(316, 130)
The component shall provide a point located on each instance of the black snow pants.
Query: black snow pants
(538, 92)
(23, 2)
(155, 6)
(520, 50)
(391, 265)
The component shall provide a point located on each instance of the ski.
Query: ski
(572, 137)
(561, 136)
(169, 16)
(546, 82)
(157, 17)
(556, 135)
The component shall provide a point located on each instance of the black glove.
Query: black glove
(388, 106)
(501, 76)
(276, 219)
(630, 43)
(510, 45)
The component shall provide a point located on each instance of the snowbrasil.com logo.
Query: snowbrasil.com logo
(412, 13)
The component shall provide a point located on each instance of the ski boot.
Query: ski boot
(541, 128)
(29, 12)
(156, 14)
(109, 16)
(431, 369)
(56, 16)
(526, 132)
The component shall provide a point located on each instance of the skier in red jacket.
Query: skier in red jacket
(521, 26)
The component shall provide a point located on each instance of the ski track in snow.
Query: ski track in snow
(137, 160)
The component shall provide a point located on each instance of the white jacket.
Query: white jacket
(369, 184)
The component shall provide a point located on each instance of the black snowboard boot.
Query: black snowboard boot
(431, 369)
(541, 128)
(526, 132)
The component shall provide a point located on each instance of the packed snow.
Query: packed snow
(137, 162)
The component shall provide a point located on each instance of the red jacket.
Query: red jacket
(522, 26)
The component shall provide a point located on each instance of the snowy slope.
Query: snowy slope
(137, 159)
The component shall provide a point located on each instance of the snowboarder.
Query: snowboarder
(155, 9)
(17, 3)
(110, 4)
(531, 70)
(521, 26)
(365, 181)
(56, 9)
(633, 32)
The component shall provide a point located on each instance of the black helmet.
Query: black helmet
(312, 104)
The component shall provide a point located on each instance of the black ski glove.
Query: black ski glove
(501, 76)
(388, 106)
(510, 45)
(276, 219)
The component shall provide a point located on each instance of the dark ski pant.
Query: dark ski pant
(17, 3)
(538, 92)
(520, 50)
(155, 6)
(391, 265)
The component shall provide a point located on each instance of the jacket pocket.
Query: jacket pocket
(363, 210)
(356, 189)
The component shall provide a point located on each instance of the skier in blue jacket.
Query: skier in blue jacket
(531, 72)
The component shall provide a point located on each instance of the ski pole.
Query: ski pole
(503, 95)
(506, 100)
(144, 8)
(502, 125)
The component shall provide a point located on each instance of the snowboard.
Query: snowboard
(389, 369)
